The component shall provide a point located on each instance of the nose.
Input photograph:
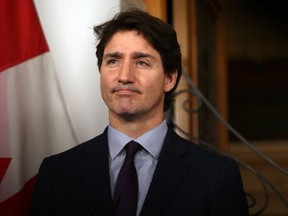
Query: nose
(126, 73)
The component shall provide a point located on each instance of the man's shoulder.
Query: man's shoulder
(81, 150)
(203, 153)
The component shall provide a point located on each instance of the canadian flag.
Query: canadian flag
(34, 121)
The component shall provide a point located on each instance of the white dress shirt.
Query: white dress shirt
(145, 160)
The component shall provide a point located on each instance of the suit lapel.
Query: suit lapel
(95, 175)
(170, 171)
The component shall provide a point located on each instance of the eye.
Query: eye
(111, 61)
(142, 64)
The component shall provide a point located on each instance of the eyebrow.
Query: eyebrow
(113, 55)
(135, 55)
(138, 55)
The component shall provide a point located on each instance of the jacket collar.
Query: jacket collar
(170, 171)
(169, 174)
(96, 177)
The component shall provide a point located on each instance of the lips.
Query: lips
(125, 90)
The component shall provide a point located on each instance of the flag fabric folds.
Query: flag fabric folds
(34, 122)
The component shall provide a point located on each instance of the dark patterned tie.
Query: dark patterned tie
(126, 190)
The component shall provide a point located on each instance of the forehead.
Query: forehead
(129, 40)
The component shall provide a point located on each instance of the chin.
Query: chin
(129, 116)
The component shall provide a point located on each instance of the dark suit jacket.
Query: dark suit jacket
(188, 180)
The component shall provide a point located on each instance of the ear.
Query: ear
(170, 80)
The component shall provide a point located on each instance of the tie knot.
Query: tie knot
(132, 148)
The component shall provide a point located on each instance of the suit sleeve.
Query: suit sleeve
(42, 195)
(229, 197)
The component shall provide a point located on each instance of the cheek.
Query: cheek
(155, 86)
(104, 80)
(108, 76)
(104, 85)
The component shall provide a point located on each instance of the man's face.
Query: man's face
(133, 83)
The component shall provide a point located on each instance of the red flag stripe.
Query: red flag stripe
(4, 163)
(21, 39)
(21, 36)
(22, 199)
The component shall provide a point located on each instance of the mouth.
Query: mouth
(125, 90)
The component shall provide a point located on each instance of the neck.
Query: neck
(134, 127)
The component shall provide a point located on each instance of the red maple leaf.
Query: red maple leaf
(4, 163)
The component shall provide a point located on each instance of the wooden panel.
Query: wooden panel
(222, 84)
(193, 60)
(210, 70)
(156, 8)
(195, 38)
(181, 117)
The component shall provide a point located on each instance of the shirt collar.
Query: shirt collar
(151, 141)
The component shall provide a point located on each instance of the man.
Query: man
(139, 60)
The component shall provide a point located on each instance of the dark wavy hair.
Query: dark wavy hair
(159, 34)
